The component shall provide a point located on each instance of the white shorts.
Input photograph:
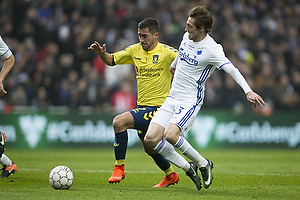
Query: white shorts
(178, 112)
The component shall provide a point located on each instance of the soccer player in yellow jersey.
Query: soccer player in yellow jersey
(151, 60)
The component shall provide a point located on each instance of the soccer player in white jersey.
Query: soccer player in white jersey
(8, 166)
(199, 55)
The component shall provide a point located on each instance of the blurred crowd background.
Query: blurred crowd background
(49, 39)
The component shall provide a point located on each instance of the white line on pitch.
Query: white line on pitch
(159, 172)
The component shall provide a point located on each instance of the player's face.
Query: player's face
(194, 33)
(147, 39)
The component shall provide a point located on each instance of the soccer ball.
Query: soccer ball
(61, 177)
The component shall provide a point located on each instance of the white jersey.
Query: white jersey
(195, 63)
(4, 50)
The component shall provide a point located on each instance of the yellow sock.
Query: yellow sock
(120, 162)
(169, 170)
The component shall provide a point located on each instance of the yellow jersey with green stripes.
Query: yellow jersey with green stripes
(152, 71)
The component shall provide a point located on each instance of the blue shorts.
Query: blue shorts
(142, 116)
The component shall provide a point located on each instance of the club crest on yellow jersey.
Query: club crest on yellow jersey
(155, 59)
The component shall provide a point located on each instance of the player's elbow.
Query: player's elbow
(11, 60)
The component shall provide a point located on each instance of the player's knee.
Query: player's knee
(123, 122)
(118, 124)
(147, 148)
(150, 140)
(147, 139)
(171, 137)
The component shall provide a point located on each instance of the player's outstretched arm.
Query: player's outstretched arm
(101, 51)
(239, 79)
(7, 66)
(2, 91)
(255, 98)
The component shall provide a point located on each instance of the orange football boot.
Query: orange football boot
(8, 170)
(117, 175)
(171, 179)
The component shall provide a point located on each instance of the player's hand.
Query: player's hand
(97, 48)
(255, 98)
(2, 91)
(172, 70)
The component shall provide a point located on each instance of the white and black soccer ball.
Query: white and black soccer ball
(61, 177)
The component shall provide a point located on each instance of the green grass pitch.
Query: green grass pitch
(238, 174)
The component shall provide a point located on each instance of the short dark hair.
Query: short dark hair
(150, 23)
(203, 18)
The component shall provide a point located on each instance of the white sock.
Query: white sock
(167, 150)
(5, 160)
(190, 152)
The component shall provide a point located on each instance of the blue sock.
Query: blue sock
(120, 145)
(160, 161)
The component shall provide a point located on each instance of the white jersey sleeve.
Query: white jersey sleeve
(237, 76)
(173, 64)
(4, 50)
(222, 62)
